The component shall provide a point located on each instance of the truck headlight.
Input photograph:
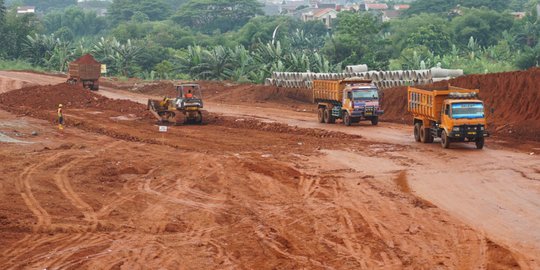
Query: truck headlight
(455, 129)
(482, 128)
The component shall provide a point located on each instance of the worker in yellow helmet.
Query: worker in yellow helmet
(60, 117)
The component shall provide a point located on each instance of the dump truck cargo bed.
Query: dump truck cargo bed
(84, 71)
(428, 102)
(332, 91)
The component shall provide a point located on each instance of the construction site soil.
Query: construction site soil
(241, 192)
(512, 101)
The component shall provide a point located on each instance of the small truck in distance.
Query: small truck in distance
(451, 113)
(351, 100)
(85, 71)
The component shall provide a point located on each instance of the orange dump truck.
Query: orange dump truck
(451, 113)
(86, 71)
(352, 100)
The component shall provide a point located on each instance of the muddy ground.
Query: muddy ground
(259, 187)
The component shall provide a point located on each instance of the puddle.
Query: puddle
(402, 183)
(6, 139)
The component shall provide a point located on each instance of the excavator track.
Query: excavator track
(179, 119)
(204, 117)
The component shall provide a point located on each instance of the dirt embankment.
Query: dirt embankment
(84, 109)
(40, 101)
(513, 96)
(232, 93)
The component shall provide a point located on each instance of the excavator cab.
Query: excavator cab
(186, 108)
(188, 97)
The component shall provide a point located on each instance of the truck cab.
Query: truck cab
(361, 101)
(352, 100)
(451, 113)
(463, 120)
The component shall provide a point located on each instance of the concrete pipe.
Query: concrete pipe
(358, 68)
(399, 74)
(439, 72)
(441, 79)
(455, 72)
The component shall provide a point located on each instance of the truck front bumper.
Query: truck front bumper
(469, 135)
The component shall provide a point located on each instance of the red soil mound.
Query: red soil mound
(86, 59)
(33, 99)
(514, 97)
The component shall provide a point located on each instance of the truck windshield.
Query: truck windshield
(467, 110)
(365, 94)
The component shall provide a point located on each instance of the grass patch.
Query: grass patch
(18, 65)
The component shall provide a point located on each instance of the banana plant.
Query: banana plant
(125, 56)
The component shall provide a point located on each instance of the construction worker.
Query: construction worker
(60, 117)
(189, 94)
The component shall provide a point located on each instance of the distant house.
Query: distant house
(291, 6)
(26, 9)
(518, 15)
(325, 15)
(388, 15)
(373, 6)
(401, 7)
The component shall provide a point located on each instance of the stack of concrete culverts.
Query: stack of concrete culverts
(383, 79)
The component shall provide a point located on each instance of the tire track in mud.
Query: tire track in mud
(24, 186)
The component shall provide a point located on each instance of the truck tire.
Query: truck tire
(320, 115)
(417, 128)
(328, 117)
(445, 141)
(375, 120)
(429, 136)
(425, 135)
(480, 143)
(347, 119)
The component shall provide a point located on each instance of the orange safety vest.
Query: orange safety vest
(60, 112)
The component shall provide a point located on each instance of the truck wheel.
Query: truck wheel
(445, 141)
(480, 143)
(328, 117)
(320, 115)
(429, 138)
(375, 120)
(346, 119)
(417, 128)
(425, 135)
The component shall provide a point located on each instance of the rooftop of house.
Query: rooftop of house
(401, 7)
(376, 6)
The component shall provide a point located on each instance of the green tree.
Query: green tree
(13, 33)
(223, 15)
(529, 58)
(2, 12)
(430, 6)
(79, 22)
(429, 30)
(45, 5)
(486, 26)
(123, 10)
(358, 39)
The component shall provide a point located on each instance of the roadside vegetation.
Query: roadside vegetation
(233, 40)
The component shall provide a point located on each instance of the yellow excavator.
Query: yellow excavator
(185, 108)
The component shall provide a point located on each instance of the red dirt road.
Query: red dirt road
(113, 193)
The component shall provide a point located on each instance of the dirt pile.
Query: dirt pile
(86, 59)
(513, 96)
(34, 100)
